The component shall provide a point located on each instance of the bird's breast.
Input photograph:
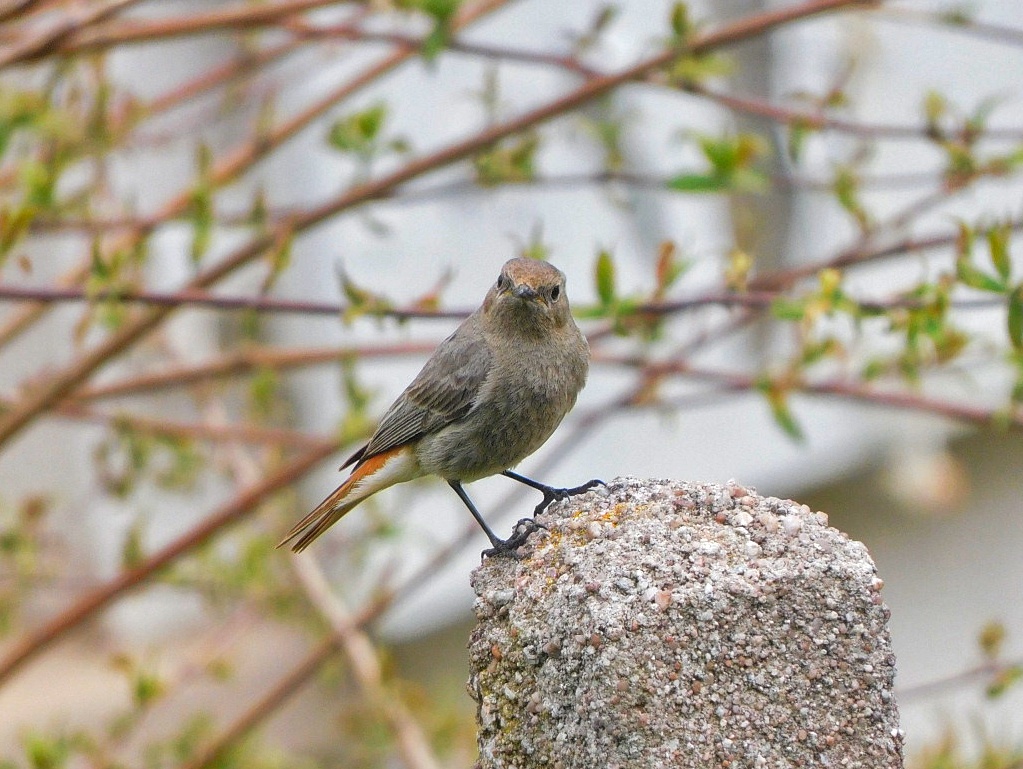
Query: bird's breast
(524, 399)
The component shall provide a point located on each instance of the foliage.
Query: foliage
(206, 428)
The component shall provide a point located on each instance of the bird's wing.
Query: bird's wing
(443, 392)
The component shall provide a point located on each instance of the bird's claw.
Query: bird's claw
(556, 495)
(510, 547)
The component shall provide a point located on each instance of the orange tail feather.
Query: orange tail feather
(369, 476)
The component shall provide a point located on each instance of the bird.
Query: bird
(490, 395)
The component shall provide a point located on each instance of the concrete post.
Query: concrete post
(667, 624)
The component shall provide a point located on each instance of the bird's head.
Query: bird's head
(530, 296)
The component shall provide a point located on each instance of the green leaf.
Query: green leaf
(202, 204)
(681, 23)
(40, 183)
(798, 131)
(605, 277)
(998, 245)
(46, 753)
(699, 67)
(816, 351)
(147, 688)
(511, 162)
(749, 180)
(361, 301)
(280, 259)
(786, 421)
(668, 269)
(721, 152)
(964, 240)
(697, 183)
(847, 191)
(935, 109)
(133, 551)
(788, 309)
(443, 13)
(14, 223)
(357, 133)
(1003, 681)
(874, 368)
(535, 247)
(991, 639)
(977, 122)
(738, 266)
(202, 223)
(263, 391)
(969, 275)
(959, 15)
(1015, 318)
(777, 399)
(100, 270)
(732, 160)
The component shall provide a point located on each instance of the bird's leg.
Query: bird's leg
(509, 546)
(550, 494)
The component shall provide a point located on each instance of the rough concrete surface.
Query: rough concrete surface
(669, 624)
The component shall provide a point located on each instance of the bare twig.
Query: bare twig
(46, 394)
(996, 33)
(77, 39)
(859, 255)
(235, 163)
(413, 746)
(204, 299)
(244, 361)
(70, 23)
(27, 648)
(820, 121)
(853, 391)
(79, 371)
(266, 705)
(276, 436)
(984, 671)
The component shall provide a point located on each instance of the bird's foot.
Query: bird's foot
(550, 494)
(509, 548)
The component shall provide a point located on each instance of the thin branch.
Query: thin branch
(243, 158)
(365, 665)
(203, 300)
(219, 76)
(819, 121)
(15, 8)
(235, 163)
(276, 436)
(265, 706)
(70, 23)
(243, 16)
(816, 120)
(873, 396)
(353, 641)
(47, 393)
(244, 361)
(983, 671)
(468, 186)
(34, 643)
(858, 256)
(996, 33)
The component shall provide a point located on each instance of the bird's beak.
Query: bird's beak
(523, 291)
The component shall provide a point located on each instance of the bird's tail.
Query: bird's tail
(369, 476)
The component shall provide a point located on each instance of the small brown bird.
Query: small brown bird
(490, 395)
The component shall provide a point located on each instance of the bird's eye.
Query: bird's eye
(503, 282)
(555, 293)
